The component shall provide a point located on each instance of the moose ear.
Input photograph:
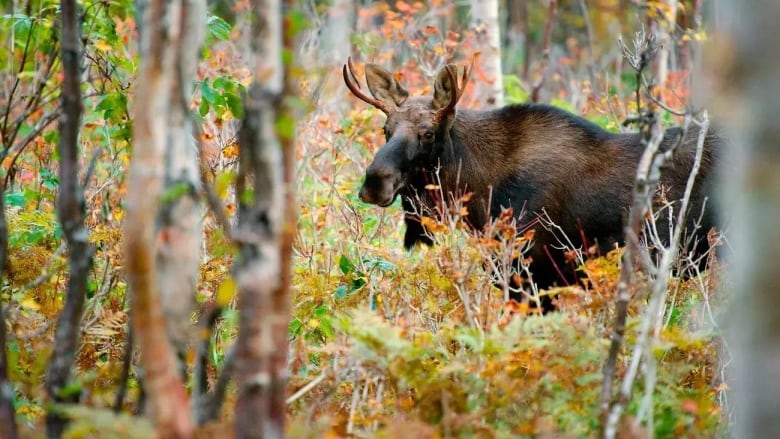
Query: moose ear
(383, 85)
(444, 88)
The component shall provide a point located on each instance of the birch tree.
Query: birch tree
(265, 232)
(162, 230)
(335, 44)
(484, 16)
(751, 100)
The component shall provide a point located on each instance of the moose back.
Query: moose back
(530, 158)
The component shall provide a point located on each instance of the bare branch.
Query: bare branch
(71, 212)
(551, 12)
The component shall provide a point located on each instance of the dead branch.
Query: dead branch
(551, 12)
(127, 363)
(652, 135)
(208, 319)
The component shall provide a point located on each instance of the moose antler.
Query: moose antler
(354, 86)
(457, 90)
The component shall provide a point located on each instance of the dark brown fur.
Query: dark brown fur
(528, 158)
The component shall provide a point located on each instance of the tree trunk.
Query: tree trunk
(484, 17)
(664, 57)
(749, 91)
(335, 44)
(163, 181)
(179, 238)
(265, 229)
(7, 421)
(71, 213)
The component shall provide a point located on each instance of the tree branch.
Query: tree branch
(551, 12)
(71, 212)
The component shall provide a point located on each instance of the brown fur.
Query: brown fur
(528, 158)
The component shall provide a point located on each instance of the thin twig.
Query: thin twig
(127, 360)
(200, 388)
(215, 204)
(214, 404)
(551, 11)
(305, 389)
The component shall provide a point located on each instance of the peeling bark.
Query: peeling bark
(179, 243)
(265, 231)
(71, 214)
(164, 179)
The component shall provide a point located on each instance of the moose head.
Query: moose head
(416, 130)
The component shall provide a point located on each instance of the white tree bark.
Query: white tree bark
(484, 18)
(178, 252)
(266, 226)
(162, 233)
(662, 29)
(335, 43)
(749, 99)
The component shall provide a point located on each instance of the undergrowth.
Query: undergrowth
(383, 342)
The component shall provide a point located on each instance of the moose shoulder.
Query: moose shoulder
(530, 158)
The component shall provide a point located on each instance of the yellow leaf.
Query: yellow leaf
(222, 182)
(226, 292)
(102, 46)
(30, 304)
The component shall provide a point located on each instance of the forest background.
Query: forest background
(361, 337)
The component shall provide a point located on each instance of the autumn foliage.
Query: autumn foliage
(382, 342)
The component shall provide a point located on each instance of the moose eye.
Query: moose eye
(427, 136)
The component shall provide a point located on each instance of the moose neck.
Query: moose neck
(477, 153)
(474, 160)
(486, 149)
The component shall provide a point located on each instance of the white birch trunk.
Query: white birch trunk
(178, 252)
(484, 17)
(748, 98)
(161, 228)
(335, 42)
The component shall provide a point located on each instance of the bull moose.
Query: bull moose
(527, 157)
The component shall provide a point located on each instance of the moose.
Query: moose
(531, 158)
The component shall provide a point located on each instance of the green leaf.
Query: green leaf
(285, 126)
(235, 105)
(296, 327)
(514, 91)
(49, 180)
(341, 292)
(113, 106)
(346, 265)
(380, 264)
(296, 22)
(223, 181)
(174, 192)
(69, 390)
(218, 28)
(203, 109)
(208, 93)
(358, 283)
(563, 104)
(15, 199)
(223, 84)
